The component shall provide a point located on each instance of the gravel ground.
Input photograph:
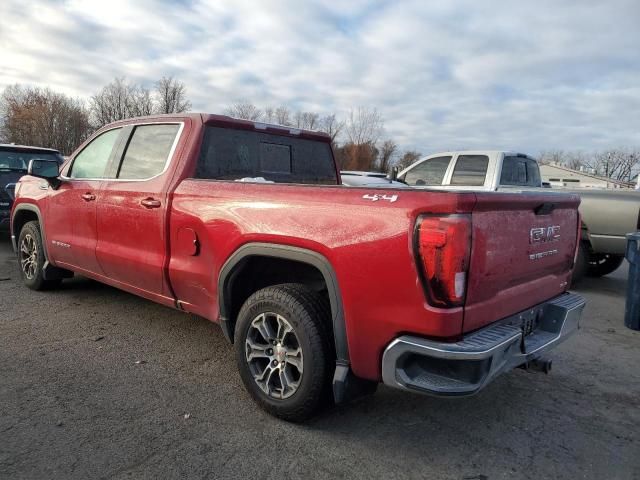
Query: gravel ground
(97, 383)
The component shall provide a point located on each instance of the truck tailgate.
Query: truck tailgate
(522, 253)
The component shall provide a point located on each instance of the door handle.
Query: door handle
(88, 197)
(150, 203)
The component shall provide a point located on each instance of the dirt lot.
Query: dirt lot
(97, 383)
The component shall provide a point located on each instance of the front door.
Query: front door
(71, 219)
(132, 243)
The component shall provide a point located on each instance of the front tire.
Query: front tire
(284, 351)
(31, 258)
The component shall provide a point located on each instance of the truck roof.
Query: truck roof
(13, 146)
(231, 122)
(481, 152)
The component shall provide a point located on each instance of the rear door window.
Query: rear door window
(241, 155)
(429, 172)
(520, 171)
(470, 170)
(148, 151)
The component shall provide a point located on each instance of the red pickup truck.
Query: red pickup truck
(324, 290)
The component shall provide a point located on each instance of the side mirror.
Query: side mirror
(47, 169)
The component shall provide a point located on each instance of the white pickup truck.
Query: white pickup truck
(607, 216)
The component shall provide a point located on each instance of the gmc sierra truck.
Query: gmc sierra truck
(324, 290)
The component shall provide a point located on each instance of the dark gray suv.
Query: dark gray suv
(14, 160)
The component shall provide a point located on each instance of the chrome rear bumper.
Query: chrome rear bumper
(465, 367)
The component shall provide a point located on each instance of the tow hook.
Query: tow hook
(538, 365)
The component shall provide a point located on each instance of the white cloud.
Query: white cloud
(527, 76)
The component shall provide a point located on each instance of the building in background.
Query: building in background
(559, 176)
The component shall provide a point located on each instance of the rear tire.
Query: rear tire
(603, 264)
(31, 258)
(284, 350)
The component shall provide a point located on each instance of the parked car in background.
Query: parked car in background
(14, 160)
(369, 179)
(362, 173)
(607, 215)
(322, 288)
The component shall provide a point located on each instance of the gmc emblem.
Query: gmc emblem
(544, 234)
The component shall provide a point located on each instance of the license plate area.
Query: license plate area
(528, 321)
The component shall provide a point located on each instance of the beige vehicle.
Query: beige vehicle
(607, 215)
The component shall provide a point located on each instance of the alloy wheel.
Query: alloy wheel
(29, 256)
(274, 355)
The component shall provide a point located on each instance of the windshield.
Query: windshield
(19, 160)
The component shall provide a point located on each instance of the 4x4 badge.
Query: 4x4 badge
(376, 197)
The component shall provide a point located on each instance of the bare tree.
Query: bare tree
(617, 164)
(575, 160)
(363, 126)
(119, 100)
(43, 118)
(244, 110)
(140, 102)
(283, 116)
(307, 120)
(171, 96)
(332, 126)
(363, 129)
(387, 151)
(555, 157)
(269, 115)
(111, 103)
(409, 157)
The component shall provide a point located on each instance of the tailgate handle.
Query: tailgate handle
(544, 208)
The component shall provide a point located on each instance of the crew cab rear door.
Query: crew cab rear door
(131, 216)
(523, 250)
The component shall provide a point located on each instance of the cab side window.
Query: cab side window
(148, 151)
(92, 161)
(429, 172)
(470, 170)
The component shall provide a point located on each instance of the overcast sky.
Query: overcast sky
(518, 75)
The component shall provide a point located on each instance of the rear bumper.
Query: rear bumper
(465, 367)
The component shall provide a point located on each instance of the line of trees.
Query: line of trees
(357, 140)
(44, 118)
(619, 164)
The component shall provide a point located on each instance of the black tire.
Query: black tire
(603, 264)
(308, 314)
(30, 245)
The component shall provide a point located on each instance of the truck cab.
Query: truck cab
(488, 170)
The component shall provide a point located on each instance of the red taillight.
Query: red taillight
(444, 245)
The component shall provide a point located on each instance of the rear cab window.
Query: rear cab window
(470, 170)
(250, 156)
(520, 171)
